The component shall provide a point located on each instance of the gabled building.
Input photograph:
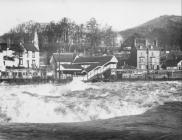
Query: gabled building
(95, 66)
(21, 54)
(148, 54)
(60, 62)
(29, 57)
(172, 60)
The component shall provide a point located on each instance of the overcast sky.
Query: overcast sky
(120, 14)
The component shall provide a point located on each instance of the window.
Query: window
(21, 61)
(152, 53)
(33, 62)
(152, 60)
(33, 54)
(141, 66)
(19, 74)
(21, 54)
(141, 59)
(28, 63)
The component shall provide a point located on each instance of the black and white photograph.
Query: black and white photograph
(90, 70)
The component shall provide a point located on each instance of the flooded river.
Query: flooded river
(78, 102)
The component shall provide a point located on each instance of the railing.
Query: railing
(96, 71)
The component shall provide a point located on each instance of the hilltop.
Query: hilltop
(167, 29)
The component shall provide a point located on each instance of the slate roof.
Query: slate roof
(72, 66)
(172, 59)
(13, 47)
(172, 63)
(30, 47)
(63, 57)
(93, 59)
(3, 46)
(17, 47)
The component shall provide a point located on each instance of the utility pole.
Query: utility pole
(147, 60)
(59, 63)
(147, 57)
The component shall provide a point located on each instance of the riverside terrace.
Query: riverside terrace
(90, 68)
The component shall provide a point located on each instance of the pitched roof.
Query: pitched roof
(16, 47)
(145, 47)
(13, 47)
(64, 57)
(30, 47)
(3, 46)
(2, 40)
(72, 66)
(93, 59)
(172, 63)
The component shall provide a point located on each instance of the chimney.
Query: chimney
(36, 40)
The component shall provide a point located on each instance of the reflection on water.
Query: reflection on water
(77, 101)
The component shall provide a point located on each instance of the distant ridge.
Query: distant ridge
(167, 29)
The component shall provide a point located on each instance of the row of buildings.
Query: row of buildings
(145, 54)
(24, 60)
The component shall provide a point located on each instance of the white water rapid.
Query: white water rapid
(78, 101)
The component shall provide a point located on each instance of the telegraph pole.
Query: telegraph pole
(147, 45)
(147, 61)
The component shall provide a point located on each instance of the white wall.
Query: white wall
(2, 67)
(4, 63)
(28, 58)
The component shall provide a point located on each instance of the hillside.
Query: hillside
(167, 29)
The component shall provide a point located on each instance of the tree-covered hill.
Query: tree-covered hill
(167, 29)
(64, 35)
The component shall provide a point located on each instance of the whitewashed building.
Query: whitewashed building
(20, 55)
(30, 57)
(7, 57)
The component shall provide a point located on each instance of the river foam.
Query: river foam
(78, 101)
